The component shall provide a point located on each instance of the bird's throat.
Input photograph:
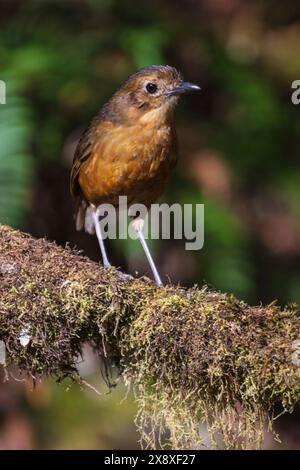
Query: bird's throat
(158, 116)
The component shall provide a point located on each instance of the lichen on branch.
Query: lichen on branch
(191, 355)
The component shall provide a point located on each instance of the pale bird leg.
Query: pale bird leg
(138, 227)
(97, 225)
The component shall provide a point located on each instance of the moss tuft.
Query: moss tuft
(191, 355)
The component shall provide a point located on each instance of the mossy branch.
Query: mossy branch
(191, 355)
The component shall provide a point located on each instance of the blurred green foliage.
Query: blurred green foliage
(239, 138)
(15, 157)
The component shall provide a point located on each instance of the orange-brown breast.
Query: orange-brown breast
(135, 161)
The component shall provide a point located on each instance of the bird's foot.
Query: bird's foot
(126, 277)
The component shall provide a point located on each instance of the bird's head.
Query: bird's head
(151, 93)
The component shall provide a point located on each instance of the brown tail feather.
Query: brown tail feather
(80, 215)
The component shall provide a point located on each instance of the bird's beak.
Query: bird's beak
(183, 87)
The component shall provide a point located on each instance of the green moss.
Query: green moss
(191, 355)
(200, 355)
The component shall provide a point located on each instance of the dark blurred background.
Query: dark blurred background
(239, 155)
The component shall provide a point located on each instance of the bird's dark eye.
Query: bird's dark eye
(151, 88)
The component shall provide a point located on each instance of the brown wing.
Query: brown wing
(82, 154)
(174, 147)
